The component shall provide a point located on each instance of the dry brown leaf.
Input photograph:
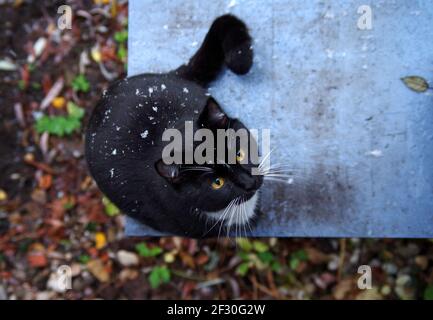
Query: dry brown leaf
(98, 270)
(415, 83)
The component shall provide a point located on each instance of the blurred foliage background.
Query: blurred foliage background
(52, 213)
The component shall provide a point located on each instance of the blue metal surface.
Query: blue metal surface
(332, 96)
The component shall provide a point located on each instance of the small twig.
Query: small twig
(263, 288)
(341, 258)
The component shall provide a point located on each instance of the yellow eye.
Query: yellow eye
(217, 183)
(240, 155)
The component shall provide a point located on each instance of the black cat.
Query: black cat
(124, 145)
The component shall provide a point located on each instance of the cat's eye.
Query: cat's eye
(217, 183)
(240, 155)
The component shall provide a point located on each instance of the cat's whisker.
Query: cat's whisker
(219, 218)
(233, 216)
(244, 218)
(223, 216)
(286, 181)
(265, 158)
(229, 214)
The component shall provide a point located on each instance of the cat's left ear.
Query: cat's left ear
(212, 116)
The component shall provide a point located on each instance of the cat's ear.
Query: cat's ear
(212, 116)
(168, 171)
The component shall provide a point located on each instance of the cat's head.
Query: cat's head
(225, 182)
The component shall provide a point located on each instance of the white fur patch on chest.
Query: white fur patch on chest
(237, 212)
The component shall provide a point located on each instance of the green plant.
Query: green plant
(144, 251)
(61, 125)
(121, 36)
(256, 254)
(80, 83)
(122, 53)
(84, 258)
(158, 276)
(297, 257)
(21, 85)
(428, 293)
(110, 208)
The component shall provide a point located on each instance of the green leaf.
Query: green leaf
(276, 266)
(301, 255)
(294, 263)
(74, 110)
(260, 246)
(266, 257)
(91, 226)
(243, 268)
(144, 251)
(428, 293)
(244, 256)
(122, 52)
(158, 276)
(80, 83)
(415, 83)
(84, 258)
(121, 36)
(57, 125)
(110, 208)
(244, 244)
(21, 85)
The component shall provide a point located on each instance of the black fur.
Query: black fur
(124, 146)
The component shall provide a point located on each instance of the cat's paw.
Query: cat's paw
(240, 58)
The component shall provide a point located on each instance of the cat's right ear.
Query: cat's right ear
(171, 172)
(212, 116)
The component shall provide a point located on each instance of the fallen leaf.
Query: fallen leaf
(37, 259)
(187, 259)
(415, 83)
(7, 65)
(98, 270)
(342, 288)
(127, 258)
(100, 240)
(3, 195)
(58, 102)
(45, 181)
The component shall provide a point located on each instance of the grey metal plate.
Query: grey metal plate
(331, 95)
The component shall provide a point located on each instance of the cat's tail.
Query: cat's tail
(227, 42)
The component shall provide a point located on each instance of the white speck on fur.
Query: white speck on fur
(163, 87)
(114, 152)
(185, 90)
(155, 109)
(111, 172)
(151, 118)
(144, 134)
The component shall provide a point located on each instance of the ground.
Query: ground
(52, 214)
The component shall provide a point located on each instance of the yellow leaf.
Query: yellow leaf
(100, 240)
(59, 102)
(169, 257)
(416, 83)
(3, 195)
(96, 54)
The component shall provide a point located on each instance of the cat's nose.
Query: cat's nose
(250, 183)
